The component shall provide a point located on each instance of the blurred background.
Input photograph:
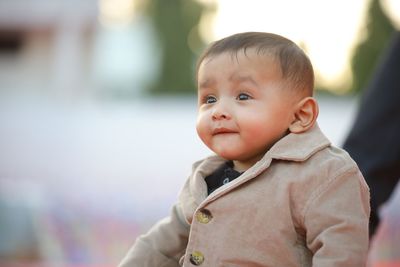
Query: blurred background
(98, 108)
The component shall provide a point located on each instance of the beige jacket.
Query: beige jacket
(305, 203)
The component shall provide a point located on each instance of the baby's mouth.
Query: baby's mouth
(223, 130)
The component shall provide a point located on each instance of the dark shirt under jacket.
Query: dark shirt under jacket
(223, 175)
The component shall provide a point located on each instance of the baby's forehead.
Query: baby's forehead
(252, 53)
(242, 56)
(238, 71)
(248, 60)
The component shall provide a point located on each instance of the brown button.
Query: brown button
(203, 216)
(196, 258)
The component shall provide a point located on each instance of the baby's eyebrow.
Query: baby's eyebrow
(242, 78)
(206, 83)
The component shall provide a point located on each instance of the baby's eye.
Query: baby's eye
(243, 96)
(210, 99)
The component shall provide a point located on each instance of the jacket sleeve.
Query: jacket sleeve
(162, 246)
(336, 221)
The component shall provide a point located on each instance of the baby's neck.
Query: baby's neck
(241, 166)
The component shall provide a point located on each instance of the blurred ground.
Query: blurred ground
(79, 182)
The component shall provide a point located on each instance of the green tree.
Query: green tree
(378, 31)
(176, 22)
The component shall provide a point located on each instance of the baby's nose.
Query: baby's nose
(220, 112)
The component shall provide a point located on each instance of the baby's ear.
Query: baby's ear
(305, 115)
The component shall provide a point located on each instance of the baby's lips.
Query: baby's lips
(222, 130)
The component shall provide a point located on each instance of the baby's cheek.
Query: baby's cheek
(258, 137)
(203, 131)
(258, 134)
(253, 126)
(200, 123)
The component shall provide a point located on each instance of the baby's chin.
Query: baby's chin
(240, 157)
(228, 154)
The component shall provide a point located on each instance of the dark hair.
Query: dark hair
(295, 65)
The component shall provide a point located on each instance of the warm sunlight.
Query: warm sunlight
(326, 29)
(121, 11)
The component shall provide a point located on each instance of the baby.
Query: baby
(277, 193)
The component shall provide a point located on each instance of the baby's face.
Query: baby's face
(243, 107)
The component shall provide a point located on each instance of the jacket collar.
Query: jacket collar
(292, 147)
(299, 147)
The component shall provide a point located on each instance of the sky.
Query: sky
(327, 30)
